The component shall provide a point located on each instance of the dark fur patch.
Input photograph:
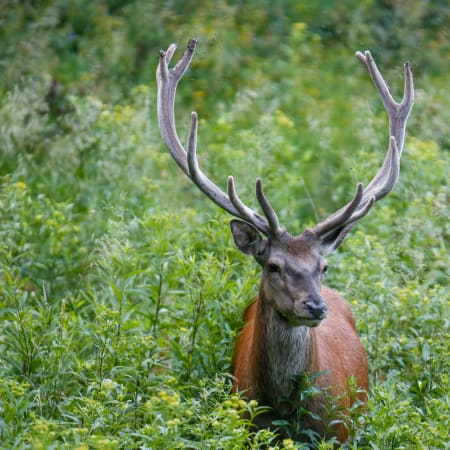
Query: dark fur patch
(302, 244)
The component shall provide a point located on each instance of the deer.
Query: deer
(295, 325)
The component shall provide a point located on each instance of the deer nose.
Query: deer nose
(318, 310)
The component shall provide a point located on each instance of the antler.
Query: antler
(333, 230)
(167, 80)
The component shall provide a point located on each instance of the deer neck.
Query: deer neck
(282, 352)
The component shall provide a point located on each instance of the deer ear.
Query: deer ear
(247, 239)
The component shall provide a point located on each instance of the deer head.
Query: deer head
(292, 266)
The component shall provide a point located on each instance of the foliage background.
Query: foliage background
(120, 290)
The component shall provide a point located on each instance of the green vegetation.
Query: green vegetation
(121, 292)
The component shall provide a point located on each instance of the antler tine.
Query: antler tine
(384, 181)
(334, 228)
(246, 213)
(336, 236)
(269, 212)
(342, 215)
(167, 81)
(398, 112)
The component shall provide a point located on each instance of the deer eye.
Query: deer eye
(325, 269)
(274, 268)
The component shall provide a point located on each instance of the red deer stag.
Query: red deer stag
(295, 325)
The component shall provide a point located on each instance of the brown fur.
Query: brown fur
(334, 347)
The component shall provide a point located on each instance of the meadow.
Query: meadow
(121, 291)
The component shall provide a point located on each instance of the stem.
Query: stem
(196, 319)
(159, 298)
